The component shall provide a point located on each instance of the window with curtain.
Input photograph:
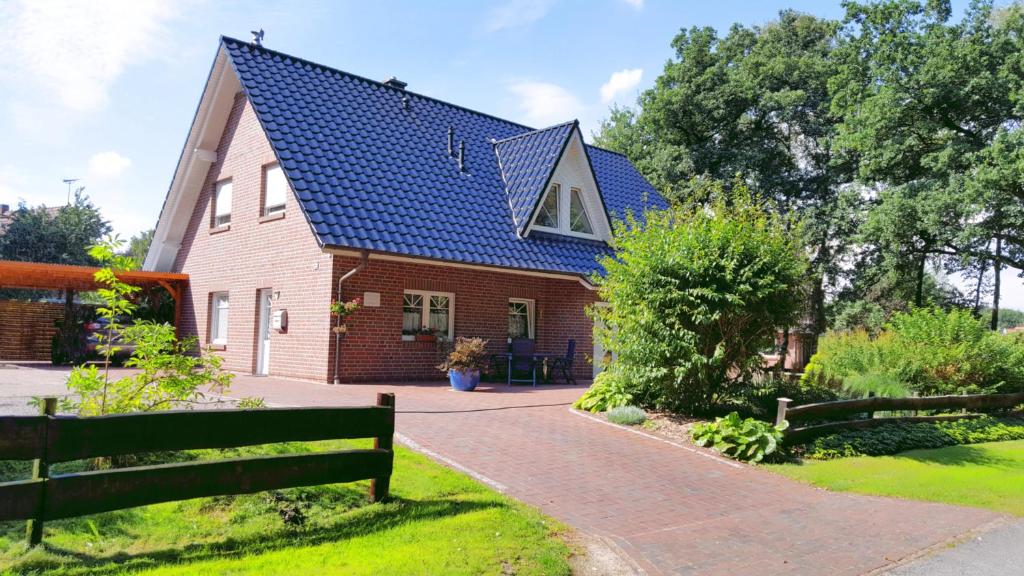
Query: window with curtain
(547, 214)
(219, 318)
(433, 310)
(275, 189)
(520, 318)
(222, 204)
(578, 219)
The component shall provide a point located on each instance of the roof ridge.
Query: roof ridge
(504, 140)
(608, 150)
(377, 82)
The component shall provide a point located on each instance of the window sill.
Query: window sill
(218, 347)
(272, 217)
(219, 229)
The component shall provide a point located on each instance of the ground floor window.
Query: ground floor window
(520, 318)
(219, 318)
(423, 311)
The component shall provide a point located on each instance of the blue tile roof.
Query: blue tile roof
(527, 161)
(370, 166)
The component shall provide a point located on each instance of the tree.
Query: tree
(138, 246)
(930, 114)
(695, 293)
(58, 236)
(755, 103)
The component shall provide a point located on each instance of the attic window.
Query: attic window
(547, 216)
(578, 219)
(274, 190)
(222, 204)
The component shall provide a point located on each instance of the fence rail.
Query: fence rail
(48, 438)
(825, 411)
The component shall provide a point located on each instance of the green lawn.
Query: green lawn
(987, 475)
(440, 522)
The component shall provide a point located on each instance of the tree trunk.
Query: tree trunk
(996, 265)
(981, 280)
(919, 295)
(780, 366)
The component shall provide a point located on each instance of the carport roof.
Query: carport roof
(63, 277)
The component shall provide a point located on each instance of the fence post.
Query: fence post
(780, 415)
(41, 471)
(379, 487)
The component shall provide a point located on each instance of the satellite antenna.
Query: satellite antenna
(69, 182)
(257, 37)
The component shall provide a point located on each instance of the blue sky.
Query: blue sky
(105, 90)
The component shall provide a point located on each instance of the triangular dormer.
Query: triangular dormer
(550, 183)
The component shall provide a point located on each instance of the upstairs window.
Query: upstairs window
(547, 215)
(275, 188)
(578, 219)
(222, 204)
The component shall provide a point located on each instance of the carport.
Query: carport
(71, 279)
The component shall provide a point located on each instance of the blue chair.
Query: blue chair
(565, 363)
(521, 359)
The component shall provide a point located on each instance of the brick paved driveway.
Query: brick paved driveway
(671, 509)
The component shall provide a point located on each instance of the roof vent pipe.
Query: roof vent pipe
(451, 141)
(462, 155)
(405, 102)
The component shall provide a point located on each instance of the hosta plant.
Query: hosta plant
(748, 439)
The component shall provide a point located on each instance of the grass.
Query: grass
(439, 522)
(989, 475)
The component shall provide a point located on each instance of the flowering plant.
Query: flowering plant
(345, 309)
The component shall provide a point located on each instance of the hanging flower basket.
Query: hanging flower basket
(341, 329)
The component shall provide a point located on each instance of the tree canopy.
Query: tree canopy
(57, 236)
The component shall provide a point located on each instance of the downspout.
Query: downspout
(364, 259)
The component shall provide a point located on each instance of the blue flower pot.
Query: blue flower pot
(464, 381)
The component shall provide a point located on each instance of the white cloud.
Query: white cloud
(72, 52)
(545, 104)
(108, 164)
(516, 13)
(620, 82)
(638, 4)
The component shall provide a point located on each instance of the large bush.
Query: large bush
(924, 352)
(694, 294)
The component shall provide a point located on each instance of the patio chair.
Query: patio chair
(521, 359)
(565, 363)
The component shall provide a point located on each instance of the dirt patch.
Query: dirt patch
(599, 556)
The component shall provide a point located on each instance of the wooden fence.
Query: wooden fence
(826, 411)
(47, 438)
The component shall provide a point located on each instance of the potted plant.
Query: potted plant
(465, 362)
(426, 335)
(342, 310)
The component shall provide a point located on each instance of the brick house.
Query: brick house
(300, 184)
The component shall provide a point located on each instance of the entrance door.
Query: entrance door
(263, 348)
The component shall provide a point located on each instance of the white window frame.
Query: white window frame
(531, 315)
(215, 311)
(586, 213)
(425, 320)
(564, 205)
(267, 209)
(217, 191)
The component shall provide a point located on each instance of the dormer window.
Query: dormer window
(547, 216)
(578, 219)
(564, 211)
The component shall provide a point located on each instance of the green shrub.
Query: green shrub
(608, 391)
(627, 415)
(895, 438)
(924, 352)
(750, 440)
(694, 294)
(759, 397)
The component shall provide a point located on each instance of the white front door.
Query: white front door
(263, 351)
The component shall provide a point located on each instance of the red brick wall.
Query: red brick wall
(373, 349)
(26, 329)
(280, 254)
